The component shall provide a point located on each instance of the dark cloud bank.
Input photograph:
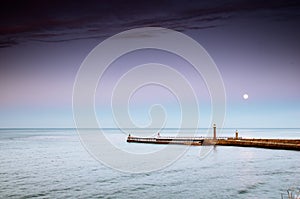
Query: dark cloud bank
(58, 21)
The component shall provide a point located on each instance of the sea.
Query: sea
(53, 163)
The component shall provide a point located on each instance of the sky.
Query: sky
(254, 44)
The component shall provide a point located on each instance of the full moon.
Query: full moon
(245, 96)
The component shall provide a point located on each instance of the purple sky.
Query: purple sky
(255, 45)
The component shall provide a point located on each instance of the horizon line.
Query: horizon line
(116, 128)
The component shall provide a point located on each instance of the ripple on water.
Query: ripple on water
(59, 167)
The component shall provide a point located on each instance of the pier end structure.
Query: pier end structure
(215, 131)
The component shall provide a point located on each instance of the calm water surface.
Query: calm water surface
(47, 163)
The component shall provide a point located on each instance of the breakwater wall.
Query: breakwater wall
(286, 144)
